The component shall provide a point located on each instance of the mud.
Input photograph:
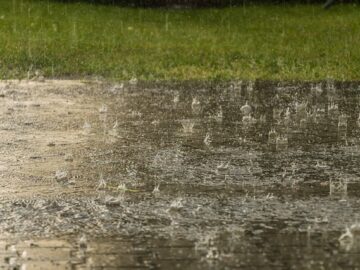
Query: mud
(247, 175)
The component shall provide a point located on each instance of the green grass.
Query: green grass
(252, 42)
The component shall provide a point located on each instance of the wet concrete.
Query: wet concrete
(198, 176)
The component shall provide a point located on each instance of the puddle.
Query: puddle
(195, 176)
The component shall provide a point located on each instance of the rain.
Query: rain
(154, 171)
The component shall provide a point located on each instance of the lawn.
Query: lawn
(275, 42)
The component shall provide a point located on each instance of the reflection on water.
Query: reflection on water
(190, 176)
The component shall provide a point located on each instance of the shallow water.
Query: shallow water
(197, 176)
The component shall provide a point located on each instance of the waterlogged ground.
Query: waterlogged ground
(95, 175)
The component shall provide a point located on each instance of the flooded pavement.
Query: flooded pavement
(189, 176)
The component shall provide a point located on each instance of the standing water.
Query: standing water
(164, 176)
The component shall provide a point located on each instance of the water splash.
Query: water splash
(246, 109)
(86, 128)
(196, 106)
(133, 81)
(207, 140)
(102, 184)
(187, 125)
(103, 108)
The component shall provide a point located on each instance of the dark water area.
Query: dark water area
(240, 175)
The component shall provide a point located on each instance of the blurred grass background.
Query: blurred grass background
(274, 42)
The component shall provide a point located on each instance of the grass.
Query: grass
(253, 42)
